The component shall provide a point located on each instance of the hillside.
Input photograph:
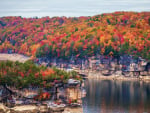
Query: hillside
(109, 34)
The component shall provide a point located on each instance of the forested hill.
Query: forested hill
(109, 34)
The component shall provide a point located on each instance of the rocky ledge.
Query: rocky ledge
(36, 109)
(23, 109)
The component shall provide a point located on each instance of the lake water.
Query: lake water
(106, 96)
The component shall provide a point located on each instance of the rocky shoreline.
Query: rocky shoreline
(117, 75)
(57, 104)
(37, 109)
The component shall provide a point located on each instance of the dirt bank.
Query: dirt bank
(13, 57)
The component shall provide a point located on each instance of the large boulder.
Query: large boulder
(73, 110)
(43, 109)
(3, 109)
(25, 109)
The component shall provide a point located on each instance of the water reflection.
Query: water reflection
(106, 96)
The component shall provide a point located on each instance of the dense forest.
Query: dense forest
(111, 34)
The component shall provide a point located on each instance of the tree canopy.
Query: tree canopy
(109, 34)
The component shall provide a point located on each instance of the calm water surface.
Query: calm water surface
(106, 96)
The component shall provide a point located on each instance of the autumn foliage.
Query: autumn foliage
(28, 74)
(109, 34)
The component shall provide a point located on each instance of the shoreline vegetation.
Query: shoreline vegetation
(22, 75)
